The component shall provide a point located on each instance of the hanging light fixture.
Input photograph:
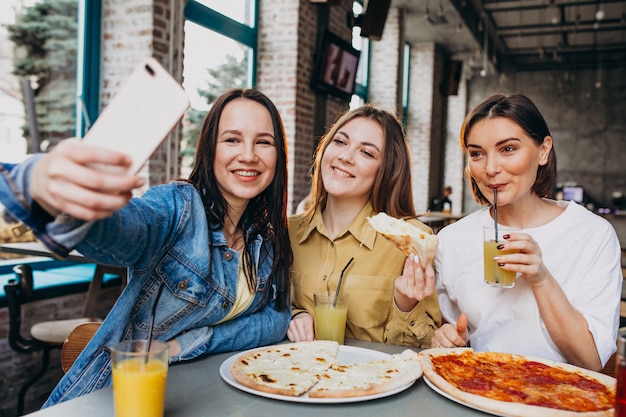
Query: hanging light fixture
(484, 70)
(600, 12)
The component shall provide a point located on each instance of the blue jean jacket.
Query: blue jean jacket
(163, 238)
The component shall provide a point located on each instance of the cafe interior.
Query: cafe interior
(427, 61)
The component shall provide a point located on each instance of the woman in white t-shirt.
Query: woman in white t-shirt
(565, 302)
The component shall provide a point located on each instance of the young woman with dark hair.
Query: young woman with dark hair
(212, 252)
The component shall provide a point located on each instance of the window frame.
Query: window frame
(88, 65)
(230, 28)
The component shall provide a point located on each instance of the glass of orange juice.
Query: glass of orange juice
(330, 316)
(139, 378)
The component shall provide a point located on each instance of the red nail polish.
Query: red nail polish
(506, 237)
(500, 247)
(500, 264)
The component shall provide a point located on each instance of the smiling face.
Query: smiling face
(352, 159)
(245, 154)
(501, 155)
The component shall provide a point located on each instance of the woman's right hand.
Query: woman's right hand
(449, 336)
(65, 181)
(301, 328)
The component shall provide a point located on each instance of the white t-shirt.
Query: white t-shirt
(580, 249)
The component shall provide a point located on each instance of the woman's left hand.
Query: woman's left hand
(415, 284)
(528, 261)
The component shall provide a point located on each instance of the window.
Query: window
(55, 67)
(220, 53)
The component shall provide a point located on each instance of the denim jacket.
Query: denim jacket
(163, 239)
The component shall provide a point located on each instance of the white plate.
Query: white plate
(456, 400)
(346, 356)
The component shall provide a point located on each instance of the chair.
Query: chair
(76, 342)
(44, 336)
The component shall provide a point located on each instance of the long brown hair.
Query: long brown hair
(521, 110)
(392, 192)
(266, 214)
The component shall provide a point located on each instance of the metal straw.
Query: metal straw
(152, 314)
(341, 279)
(495, 212)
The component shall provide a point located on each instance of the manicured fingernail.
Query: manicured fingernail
(500, 247)
(496, 258)
(500, 264)
(506, 237)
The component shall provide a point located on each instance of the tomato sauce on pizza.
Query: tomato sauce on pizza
(512, 378)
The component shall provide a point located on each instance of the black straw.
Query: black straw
(152, 314)
(341, 279)
(495, 212)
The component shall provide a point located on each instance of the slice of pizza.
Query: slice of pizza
(288, 369)
(515, 385)
(407, 237)
(368, 378)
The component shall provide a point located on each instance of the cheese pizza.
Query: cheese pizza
(295, 369)
(513, 385)
(407, 237)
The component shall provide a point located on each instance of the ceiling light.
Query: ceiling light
(600, 13)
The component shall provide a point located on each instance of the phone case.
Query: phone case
(141, 114)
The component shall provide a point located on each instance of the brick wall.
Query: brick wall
(385, 82)
(419, 122)
(288, 33)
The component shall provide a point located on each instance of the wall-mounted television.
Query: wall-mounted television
(334, 71)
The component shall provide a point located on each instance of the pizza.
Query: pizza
(368, 378)
(406, 236)
(514, 385)
(295, 369)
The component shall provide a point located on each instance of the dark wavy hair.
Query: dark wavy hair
(392, 192)
(521, 110)
(266, 214)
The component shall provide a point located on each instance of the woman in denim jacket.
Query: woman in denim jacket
(213, 251)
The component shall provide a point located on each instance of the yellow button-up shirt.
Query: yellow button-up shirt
(369, 281)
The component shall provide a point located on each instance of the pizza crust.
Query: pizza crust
(406, 237)
(502, 407)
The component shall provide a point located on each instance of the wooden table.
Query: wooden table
(196, 389)
(37, 249)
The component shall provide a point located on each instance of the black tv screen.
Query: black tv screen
(335, 67)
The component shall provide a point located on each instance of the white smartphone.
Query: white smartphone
(141, 114)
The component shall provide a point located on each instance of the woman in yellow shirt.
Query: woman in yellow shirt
(361, 168)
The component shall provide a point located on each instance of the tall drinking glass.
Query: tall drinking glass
(494, 275)
(330, 314)
(139, 378)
